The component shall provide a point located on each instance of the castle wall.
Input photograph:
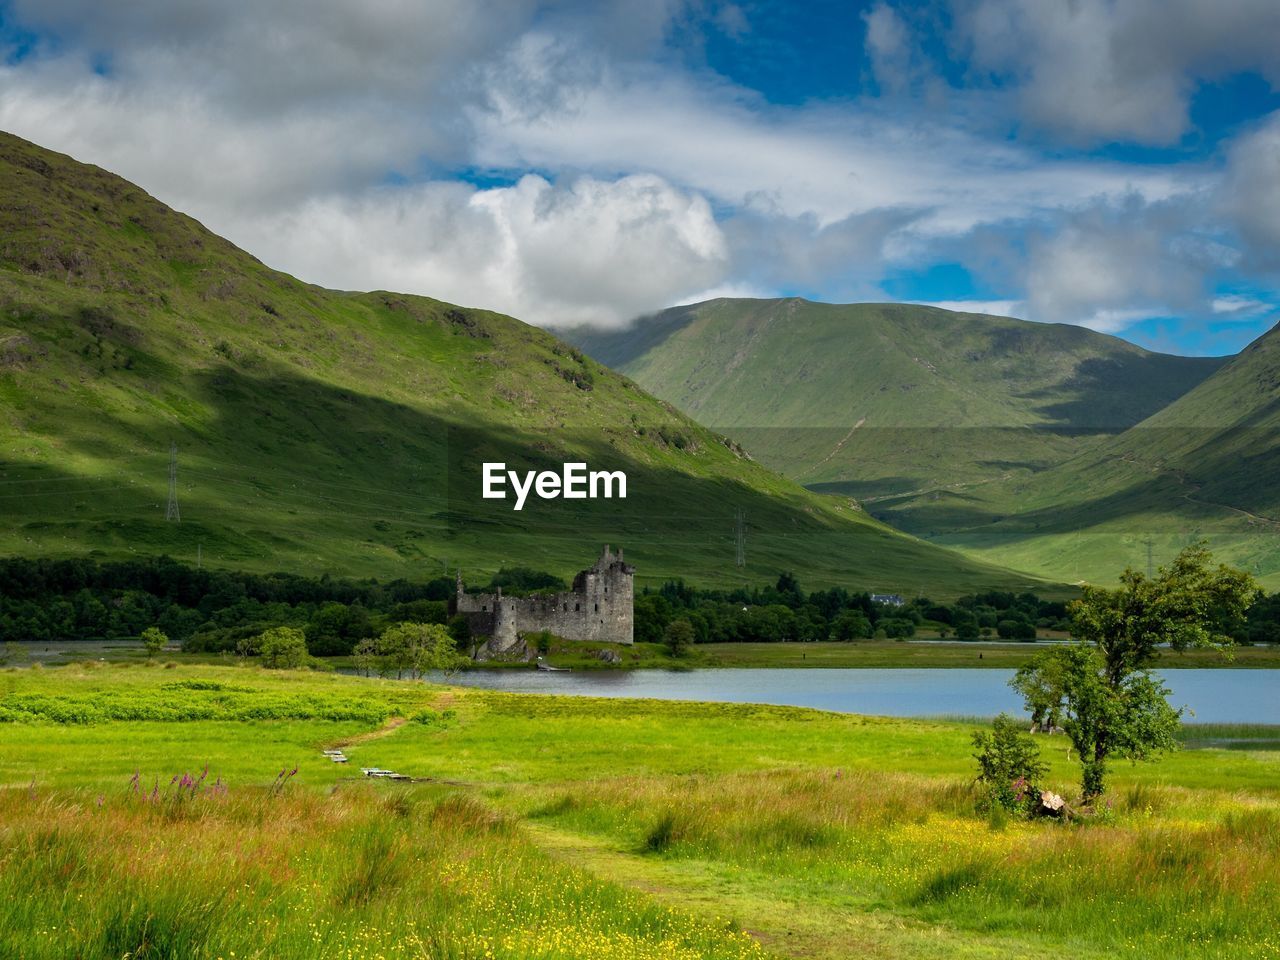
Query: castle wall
(599, 608)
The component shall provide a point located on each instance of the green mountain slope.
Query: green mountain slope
(1203, 467)
(321, 431)
(895, 400)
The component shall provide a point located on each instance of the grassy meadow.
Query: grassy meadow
(574, 827)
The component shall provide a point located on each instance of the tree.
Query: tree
(460, 629)
(1112, 706)
(852, 625)
(283, 648)
(1012, 629)
(678, 637)
(154, 640)
(365, 655)
(1040, 681)
(966, 626)
(419, 648)
(898, 628)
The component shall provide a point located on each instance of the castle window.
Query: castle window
(566, 607)
(484, 607)
(597, 608)
(577, 607)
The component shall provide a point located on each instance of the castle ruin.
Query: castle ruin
(598, 607)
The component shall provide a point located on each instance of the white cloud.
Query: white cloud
(1251, 192)
(890, 48)
(590, 251)
(825, 161)
(1239, 306)
(1100, 70)
(1107, 267)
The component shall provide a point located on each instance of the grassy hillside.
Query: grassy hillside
(1046, 448)
(324, 431)
(1203, 467)
(879, 399)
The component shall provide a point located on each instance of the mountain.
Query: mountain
(1046, 448)
(1204, 467)
(894, 400)
(322, 431)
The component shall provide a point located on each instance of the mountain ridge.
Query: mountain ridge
(835, 368)
(336, 431)
(1065, 452)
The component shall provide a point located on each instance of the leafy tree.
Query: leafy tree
(652, 613)
(1009, 764)
(1012, 629)
(418, 648)
(852, 625)
(460, 629)
(788, 589)
(1040, 682)
(898, 628)
(154, 640)
(282, 648)
(1112, 705)
(365, 655)
(678, 637)
(516, 580)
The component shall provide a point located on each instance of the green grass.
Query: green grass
(321, 431)
(575, 827)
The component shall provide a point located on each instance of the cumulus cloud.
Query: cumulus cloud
(590, 251)
(1251, 192)
(844, 258)
(889, 44)
(1107, 267)
(1097, 70)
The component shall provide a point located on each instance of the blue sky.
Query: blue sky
(1109, 163)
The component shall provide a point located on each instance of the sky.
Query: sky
(1108, 163)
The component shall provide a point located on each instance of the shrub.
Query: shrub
(154, 640)
(1009, 765)
(678, 637)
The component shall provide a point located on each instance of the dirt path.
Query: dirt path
(785, 918)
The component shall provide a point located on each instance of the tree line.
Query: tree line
(219, 610)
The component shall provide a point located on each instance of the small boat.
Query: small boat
(550, 669)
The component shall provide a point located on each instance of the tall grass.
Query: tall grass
(357, 873)
(1155, 871)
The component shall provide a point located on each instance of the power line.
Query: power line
(171, 509)
(740, 538)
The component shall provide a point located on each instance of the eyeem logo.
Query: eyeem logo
(574, 482)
